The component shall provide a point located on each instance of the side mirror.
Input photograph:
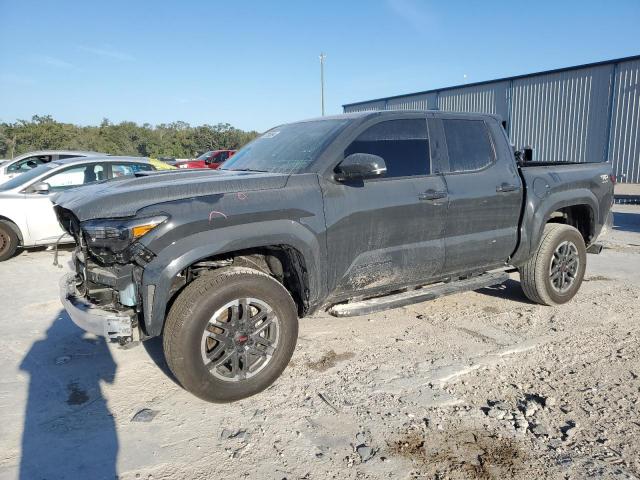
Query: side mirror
(360, 166)
(40, 187)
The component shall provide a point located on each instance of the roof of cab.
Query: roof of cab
(396, 113)
(85, 153)
(103, 158)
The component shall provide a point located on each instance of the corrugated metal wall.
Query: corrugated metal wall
(624, 144)
(564, 116)
(428, 101)
(585, 114)
(380, 105)
(487, 98)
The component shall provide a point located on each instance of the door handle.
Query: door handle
(432, 195)
(506, 187)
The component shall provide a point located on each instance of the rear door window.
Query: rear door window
(402, 143)
(128, 169)
(468, 144)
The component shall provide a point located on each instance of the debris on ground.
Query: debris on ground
(144, 415)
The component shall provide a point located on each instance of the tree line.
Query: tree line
(174, 140)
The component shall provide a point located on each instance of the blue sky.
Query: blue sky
(255, 64)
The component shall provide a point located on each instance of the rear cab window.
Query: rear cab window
(402, 143)
(468, 143)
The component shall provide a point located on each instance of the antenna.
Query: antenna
(322, 57)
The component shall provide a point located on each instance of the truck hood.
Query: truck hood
(124, 197)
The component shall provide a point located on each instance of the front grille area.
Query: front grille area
(101, 284)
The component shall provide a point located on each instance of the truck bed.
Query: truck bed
(553, 186)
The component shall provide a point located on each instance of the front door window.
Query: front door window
(76, 176)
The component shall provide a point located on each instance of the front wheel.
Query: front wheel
(230, 334)
(553, 275)
(8, 242)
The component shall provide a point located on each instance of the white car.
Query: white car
(27, 218)
(27, 161)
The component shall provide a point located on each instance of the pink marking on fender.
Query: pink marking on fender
(215, 212)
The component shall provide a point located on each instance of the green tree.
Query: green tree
(176, 139)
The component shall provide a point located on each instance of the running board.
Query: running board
(396, 300)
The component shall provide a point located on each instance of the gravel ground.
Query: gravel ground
(477, 385)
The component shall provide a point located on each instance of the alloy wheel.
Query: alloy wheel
(565, 264)
(240, 339)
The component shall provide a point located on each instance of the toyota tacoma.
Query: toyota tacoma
(352, 214)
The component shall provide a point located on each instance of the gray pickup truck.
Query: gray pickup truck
(352, 214)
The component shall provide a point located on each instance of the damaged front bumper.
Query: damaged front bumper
(114, 325)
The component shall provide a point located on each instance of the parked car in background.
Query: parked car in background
(168, 160)
(30, 160)
(161, 164)
(212, 159)
(27, 218)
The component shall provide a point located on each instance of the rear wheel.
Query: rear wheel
(8, 242)
(230, 334)
(553, 275)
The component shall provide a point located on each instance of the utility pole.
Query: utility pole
(322, 57)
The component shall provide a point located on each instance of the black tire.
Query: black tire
(190, 316)
(8, 242)
(536, 274)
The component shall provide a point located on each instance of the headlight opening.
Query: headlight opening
(116, 235)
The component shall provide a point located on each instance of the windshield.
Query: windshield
(204, 156)
(27, 176)
(287, 148)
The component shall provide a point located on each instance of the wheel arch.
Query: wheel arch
(284, 262)
(294, 257)
(580, 216)
(578, 208)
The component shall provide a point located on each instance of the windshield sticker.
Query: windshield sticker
(271, 134)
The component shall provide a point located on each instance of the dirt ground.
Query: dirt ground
(478, 385)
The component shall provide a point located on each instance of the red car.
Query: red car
(212, 159)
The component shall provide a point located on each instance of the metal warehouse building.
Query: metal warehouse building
(586, 113)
